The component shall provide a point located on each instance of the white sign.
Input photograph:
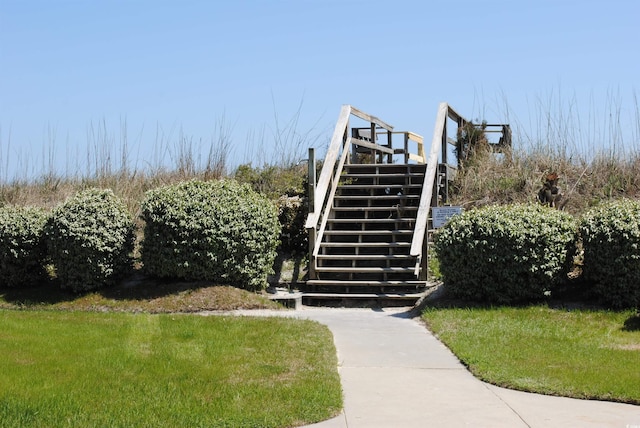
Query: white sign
(442, 214)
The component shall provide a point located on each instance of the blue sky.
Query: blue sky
(73, 72)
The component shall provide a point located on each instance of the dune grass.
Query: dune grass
(589, 354)
(121, 370)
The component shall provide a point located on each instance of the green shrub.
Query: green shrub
(505, 254)
(90, 239)
(216, 230)
(273, 181)
(287, 187)
(610, 236)
(22, 249)
(292, 213)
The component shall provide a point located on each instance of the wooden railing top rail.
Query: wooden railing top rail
(371, 119)
(413, 136)
(452, 114)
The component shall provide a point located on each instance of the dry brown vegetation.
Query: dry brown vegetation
(517, 178)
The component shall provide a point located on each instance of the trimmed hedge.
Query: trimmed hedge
(610, 236)
(22, 249)
(216, 230)
(90, 239)
(505, 254)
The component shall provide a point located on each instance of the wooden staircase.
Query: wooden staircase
(369, 212)
(364, 252)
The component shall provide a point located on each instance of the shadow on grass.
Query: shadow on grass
(133, 287)
(140, 287)
(570, 297)
(46, 294)
(632, 323)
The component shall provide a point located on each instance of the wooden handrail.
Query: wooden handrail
(371, 119)
(332, 193)
(422, 216)
(328, 166)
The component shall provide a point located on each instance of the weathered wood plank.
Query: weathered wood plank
(369, 145)
(417, 158)
(415, 137)
(372, 119)
(454, 114)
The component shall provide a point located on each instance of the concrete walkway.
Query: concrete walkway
(395, 373)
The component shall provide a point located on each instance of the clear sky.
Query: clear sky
(73, 72)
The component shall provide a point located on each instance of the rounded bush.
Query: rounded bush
(216, 230)
(610, 236)
(89, 240)
(22, 249)
(505, 254)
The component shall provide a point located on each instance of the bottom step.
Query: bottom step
(362, 299)
(356, 283)
(394, 296)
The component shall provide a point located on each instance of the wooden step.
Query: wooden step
(385, 169)
(364, 244)
(349, 269)
(399, 186)
(359, 283)
(368, 232)
(370, 220)
(390, 180)
(376, 198)
(354, 257)
(372, 209)
(380, 296)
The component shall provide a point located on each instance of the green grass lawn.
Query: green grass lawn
(577, 353)
(122, 370)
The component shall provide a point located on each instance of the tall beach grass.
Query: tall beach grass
(594, 149)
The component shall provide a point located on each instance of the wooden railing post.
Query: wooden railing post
(311, 198)
(311, 174)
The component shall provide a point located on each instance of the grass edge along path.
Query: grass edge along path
(585, 354)
(120, 370)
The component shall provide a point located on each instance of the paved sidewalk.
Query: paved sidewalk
(395, 373)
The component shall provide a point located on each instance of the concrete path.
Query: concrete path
(395, 373)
